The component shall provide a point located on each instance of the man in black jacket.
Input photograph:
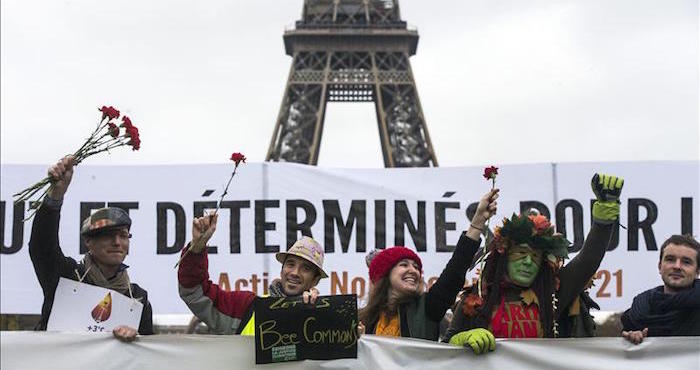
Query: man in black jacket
(672, 309)
(106, 235)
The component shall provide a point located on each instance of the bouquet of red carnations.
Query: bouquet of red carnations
(107, 135)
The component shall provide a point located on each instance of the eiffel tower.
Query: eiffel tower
(351, 51)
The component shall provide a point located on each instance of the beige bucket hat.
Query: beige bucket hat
(307, 249)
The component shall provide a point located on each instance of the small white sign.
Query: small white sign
(79, 307)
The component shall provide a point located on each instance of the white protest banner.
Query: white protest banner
(56, 351)
(350, 212)
(80, 307)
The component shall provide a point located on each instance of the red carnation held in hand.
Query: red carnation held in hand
(104, 138)
(110, 112)
(132, 132)
(135, 143)
(113, 130)
(126, 122)
(490, 172)
(237, 158)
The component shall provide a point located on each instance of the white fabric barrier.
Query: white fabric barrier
(56, 351)
(350, 212)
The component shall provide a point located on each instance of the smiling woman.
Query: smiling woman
(396, 276)
(398, 305)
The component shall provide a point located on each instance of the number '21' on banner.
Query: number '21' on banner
(286, 329)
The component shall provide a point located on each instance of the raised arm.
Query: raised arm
(224, 312)
(606, 211)
(44, 250)
(442, 294)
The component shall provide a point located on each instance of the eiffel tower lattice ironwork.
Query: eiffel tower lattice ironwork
(351, 51)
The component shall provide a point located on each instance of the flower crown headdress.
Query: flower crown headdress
(534, 230)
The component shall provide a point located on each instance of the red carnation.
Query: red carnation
(490, 172)
(113, 130)
(132, 131)
(110, 112)
(135, 143)
(126, 122)
(237, 158)
(104, 138)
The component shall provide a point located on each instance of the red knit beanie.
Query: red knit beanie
(385, 260)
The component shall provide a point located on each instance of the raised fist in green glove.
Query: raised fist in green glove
(607, 189)
(480, 339)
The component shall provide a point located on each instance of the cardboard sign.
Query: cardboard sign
(286, 329)
(79, 307)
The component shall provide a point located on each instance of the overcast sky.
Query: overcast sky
(500, 81)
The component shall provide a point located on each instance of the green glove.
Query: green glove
(607, 189)
(480, 339)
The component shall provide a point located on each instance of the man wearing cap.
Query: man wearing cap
(231, 312)
(106, 235)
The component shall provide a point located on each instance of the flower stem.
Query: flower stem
(486, 242)
(40, 200)
(96, 143)
(218, 206)
(29, 192)
(102, 123)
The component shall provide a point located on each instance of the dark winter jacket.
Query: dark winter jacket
(50, 264)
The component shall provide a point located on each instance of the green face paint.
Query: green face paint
(523, 264)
